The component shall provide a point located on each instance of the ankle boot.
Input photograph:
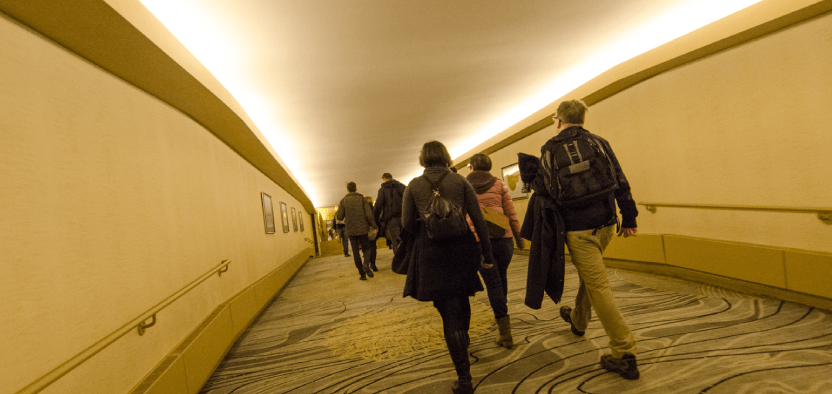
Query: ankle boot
(458, 348)
(504, 339)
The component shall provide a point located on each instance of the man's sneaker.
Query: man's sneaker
(374, 268)
(368, 271)
(625, 366)
(565, 312)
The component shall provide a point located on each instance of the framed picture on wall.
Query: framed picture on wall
(268, 212)
(511, 178)
(294, 219)
(284, 216)
(300, 221)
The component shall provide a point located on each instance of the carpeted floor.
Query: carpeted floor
(328, 332)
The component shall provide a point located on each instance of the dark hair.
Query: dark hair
(351, 187)
(481, 162)
(434, 154)
(387, 176)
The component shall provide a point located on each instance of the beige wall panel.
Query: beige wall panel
(243, 308)
(207, 349)
(751, 263)
(171, 381)
(739, 127)
(809, 273)
(112, 202)
(643, 247)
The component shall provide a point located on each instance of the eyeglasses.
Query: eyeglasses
(555, 118)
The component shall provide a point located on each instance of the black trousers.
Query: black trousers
(394, 232)
(502, 249)
(364, 241)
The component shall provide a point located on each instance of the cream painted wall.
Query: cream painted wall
(111, 202)
(746, 126)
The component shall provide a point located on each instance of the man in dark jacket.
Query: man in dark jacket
(388, 208)
(358, 218)
(589, 228)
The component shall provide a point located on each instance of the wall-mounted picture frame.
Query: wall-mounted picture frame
(294, 219)
(511, 178)
(268, 212)
(300, 221)
(284, 216)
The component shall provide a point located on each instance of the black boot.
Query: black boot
(458, 348)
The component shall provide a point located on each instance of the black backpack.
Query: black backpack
(443, 218)
(577, 170)
(392, 204)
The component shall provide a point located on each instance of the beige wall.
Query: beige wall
(112, 201)
(745, 126)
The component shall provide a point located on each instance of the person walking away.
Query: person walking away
(580, 176)
(342, 232)
(493, 194)
(444, 270)
(358, 219)
(373, 243)
(388, 208)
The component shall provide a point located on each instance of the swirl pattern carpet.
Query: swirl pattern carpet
(328, 332)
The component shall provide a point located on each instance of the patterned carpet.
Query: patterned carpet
(328, 332)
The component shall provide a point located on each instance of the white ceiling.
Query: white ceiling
(345, 90)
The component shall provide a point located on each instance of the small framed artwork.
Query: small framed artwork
(294, 219)
(284, 216)
(268, 212)
(300, 222)
(511, 178)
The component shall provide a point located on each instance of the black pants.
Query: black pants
(364, 241)
(345, 242)
(495, 277)
(502, 249)
(394, 232)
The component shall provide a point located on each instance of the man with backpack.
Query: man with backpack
(388, 208)
(581, 174)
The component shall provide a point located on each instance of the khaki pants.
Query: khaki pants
(586, 251)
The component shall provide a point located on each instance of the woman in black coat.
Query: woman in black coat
(445, 271)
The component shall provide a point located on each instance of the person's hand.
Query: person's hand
(520, 243)
(626, 232)
(487, 261)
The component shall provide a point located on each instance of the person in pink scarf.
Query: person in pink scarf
(492, 193)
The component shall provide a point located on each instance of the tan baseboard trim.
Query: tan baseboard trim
(171, 374)
(738, 285)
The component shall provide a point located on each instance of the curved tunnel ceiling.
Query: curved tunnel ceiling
(347, 90)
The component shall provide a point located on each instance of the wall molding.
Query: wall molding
(621, 84)
(116, 46)
(193, 361)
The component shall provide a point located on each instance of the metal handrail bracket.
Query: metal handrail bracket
(140, 324)
(823, 214)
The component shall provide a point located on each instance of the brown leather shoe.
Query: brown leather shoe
(565, 314)
(626, 366)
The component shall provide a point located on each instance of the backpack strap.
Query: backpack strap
(434, 186)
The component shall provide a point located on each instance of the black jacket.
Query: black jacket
(544, 226)
(440, 269)
(600, 213)
(389, 201)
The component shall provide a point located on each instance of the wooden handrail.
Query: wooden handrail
(140, 324)
(824, 214)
